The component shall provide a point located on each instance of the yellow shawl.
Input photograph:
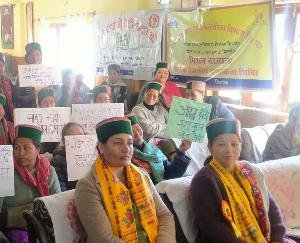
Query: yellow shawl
(241, 211)
(118, 205)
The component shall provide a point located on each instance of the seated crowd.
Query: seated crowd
(116, 200)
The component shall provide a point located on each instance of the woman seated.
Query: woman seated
(152, 159)
(34, 177)
(285, 139)
(6, 128)
(102, 94)
(229, 198)
(116, 201)
(46, 100)
(151, 116)
(170, 89)
(59, 161)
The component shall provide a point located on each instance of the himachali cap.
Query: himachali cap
(196, 85)
(43, 93)
(220, 126)
(161, 65)
(101, 89)
(133, 119)
(2, 99)
(29, 131)
(31, 46)
(154, 85)
(111, 126)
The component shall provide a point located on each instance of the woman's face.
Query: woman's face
(151, 97)
(102, 98)
(25, 153)
(118, 150)
(137, 134)
(48, 101)
(2, 112)
(196, 95)
(162, 75)
(226, 149)
(34, 57)
(72, 131)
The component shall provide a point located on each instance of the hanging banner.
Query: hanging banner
(229, 47)
(130, 39)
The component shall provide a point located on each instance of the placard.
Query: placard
(38, 76)
(7, 187)
(89, 115)
(81, 152)
(188, 119)
(51, 120)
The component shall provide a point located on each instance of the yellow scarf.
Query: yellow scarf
(241, 211)
(117, 202)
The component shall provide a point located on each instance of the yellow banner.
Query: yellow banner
(227, 47)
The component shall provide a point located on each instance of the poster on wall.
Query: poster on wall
(130, 39)
(227, 47)
(7, 27)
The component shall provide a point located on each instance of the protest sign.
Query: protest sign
(51, 120)
(188, 119)
(7, 187)
(80, 154)
(38, 76)
(88, 115)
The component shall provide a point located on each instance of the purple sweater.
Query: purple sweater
(206, 194)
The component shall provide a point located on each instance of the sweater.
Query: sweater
(92, 214)
(206, 193)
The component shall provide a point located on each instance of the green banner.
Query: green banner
(188, 119)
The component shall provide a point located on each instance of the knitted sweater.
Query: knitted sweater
(206, 194)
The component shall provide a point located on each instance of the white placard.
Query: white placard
(81, 152)
(7, 187)
(88, 115)
(38, 76)
(51, 120)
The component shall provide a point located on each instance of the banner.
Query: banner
(229, 47)
(188, 119)
(38, 76)
(51, 120)
(88, 115)
(80, 154)
(130, 39)
(7, 187)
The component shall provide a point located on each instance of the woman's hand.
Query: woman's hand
(185, 145)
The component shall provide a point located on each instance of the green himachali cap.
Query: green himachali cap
(133, 119)
(154, 85)
(29, 131)
(2, 99)
(111, 126)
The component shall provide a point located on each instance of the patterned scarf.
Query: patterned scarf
(42, 172)
(118, 205)
(245, 211)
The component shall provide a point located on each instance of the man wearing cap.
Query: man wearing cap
(6, 127)
(102, 94)
(152, 159)
(6, 88)
(119, 89)
(25, 96)
(161, 75)
(33, 177)
(195, 90)
(151, 116)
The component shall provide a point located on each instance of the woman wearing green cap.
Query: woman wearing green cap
(169, 89)
(102, 94)
(34, 177)
(6, 127)
(151, 116)
(116, 201)
(229, 198)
